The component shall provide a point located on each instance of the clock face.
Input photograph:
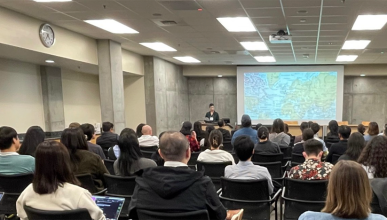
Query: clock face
(47, 35)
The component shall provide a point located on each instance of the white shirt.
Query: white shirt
(8, 153)
(174, 164)
(215, 156)
(148, 141)
(370, 171)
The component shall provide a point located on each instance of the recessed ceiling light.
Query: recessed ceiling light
(237, 24)
(112, 26)
(370, 22)
(52, 0)
(302, 12)
(265, 59)
(302, 20)
(220, 76)
(50, 61)
(346, 58)
(158, 46)
(382, 52)
(254, 45)
(362, 75)
(187, 59)
(355, 44)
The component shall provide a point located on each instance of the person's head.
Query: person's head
(310, 124)
(344, 132)
(278, 126)
(246, 121)
(128, 130)
(139, 129)
(374, 156)
(52, 168)
(355, 145)
(146, 130)
(34, 136)
(88, 130)
(9, 141)
(130, 152)
(198, 127)
(263, 133)
(212, 107)
(258, 126)
(315, 127)
(333, 127)
(186, 128)
(107, 127)
(361, 129)
(174, 147)
(304, 125)
(313, 149)
(74, 139)
(286, 129)
(210, 128)
(373, 128)
(221, 123)
(244, 147)
(307, 134)
(215, 139)
(74, 125)
(349, 193)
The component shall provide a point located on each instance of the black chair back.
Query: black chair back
(150, 148)
(193, 159)
(109, 164)
(87, 182)
(309, 190)
(15, 183)
(214, 170)
(153, 215)
(267, 157)
(298, 158)
(36, 214)
(335, 158)
(245, 189)
(147, 154)
(118, 185)
(227, 146)
(292, 138)
(111, 154)
(274, 168)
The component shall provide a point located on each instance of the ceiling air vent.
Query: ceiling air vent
(168, 23)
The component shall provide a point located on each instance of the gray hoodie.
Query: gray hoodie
(279, 138)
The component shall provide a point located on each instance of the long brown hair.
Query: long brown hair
(349, 191)
(374, 156)
(373, 128)
(52, 168)
(215, 139)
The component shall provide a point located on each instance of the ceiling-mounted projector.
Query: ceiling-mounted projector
(280, 38)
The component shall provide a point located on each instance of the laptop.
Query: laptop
(111, 206)
(1, 195)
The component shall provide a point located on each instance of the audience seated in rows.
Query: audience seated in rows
(89, 131)
(226, 133)
(361, 129)
(245, 130)
(245, 169)
(333, 128)
(147, 140)
(200, 134)
(264, 146)
(214, 154)
(82, 160)
(139, 130)
(278, 134)
(356, 145)
(307, 134)
(130, 160)
(316, 128)
(11, 162)
(108, 138)
(204, 143)
(349, 195)
(34, 136)
(373, 131)
(304, 125)
(190, 135)
(373, 157)
(54, 186)
(340, 147)
(313, 168)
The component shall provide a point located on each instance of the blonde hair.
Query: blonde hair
(349, 191)
(215, 139)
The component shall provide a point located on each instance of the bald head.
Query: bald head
(146, 130)
(174, 146)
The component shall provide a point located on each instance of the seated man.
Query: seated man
(147, 140)
(245, 130)
(174, 187)
(316, 128)
(245, 169)
(12, 163)
(89, 131)
(312, 168)
(341, 147)
(108, 138)
(225, 133)
(307, 134)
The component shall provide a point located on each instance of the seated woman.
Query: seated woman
(215, 154)
(190, 135)
(264, 145)
(349, 195)
(373, 131)
(82, 160)
(34, 136)
(54, 186)
(277, 134)
(333, 128)
(200, 134)
(355, 146)
(373, 157)
(130, 160)
(204, 144)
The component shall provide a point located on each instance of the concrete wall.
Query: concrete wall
(134, 93)
(220, 91)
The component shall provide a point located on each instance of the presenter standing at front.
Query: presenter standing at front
(212, 115)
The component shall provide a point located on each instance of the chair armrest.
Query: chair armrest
(303, 201)
(276, 195)
(219, 191)
(102, 192)
(245, 201)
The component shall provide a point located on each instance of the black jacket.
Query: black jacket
(107, 139)
(338, 148)
(298, 148)
(267, 147)
(175, 189)
(226, 133)
(215, 116)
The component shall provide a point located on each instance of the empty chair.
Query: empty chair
(297, 159)
(153, 215)
(151, 148)
(12, 186)
(36, 214)
(147, 154)
(87, 182)
(111, 154)
(227, 146)
(109, 166)
(214, 170)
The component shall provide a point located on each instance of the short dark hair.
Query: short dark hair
(210, 105)
(74, 125)
(221, 123)
(244, 147)
(258, 126)
(304, 125)
(216, 138)
(278, 126)
(361, 129)
(7, 134)
(106, 126)
(127, 131)
(373, 128)
(173, 146)
(88, 130)
(313, 147)
(315, 127)
(52, 168)
(344, 131)
(263, 132)
(139, 129)
(307, 134)
(34, 136)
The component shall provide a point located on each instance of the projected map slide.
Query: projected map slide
(290, 95)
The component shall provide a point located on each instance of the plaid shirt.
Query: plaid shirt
(193, 143)
(311, 169)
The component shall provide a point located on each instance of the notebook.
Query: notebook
(111, 206)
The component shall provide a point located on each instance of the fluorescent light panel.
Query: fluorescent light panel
(265, 59)
(112, 26)
(52, 0)
(237, 24)
(355, 44)
(346, 58)
(187, 59)
(254, 45)
(369, 22)
(158, 46)
(50, 61)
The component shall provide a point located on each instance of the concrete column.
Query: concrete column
(150, 98)
(51, 78)
(111, 83)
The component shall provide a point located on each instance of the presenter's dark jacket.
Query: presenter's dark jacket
(215, 116)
